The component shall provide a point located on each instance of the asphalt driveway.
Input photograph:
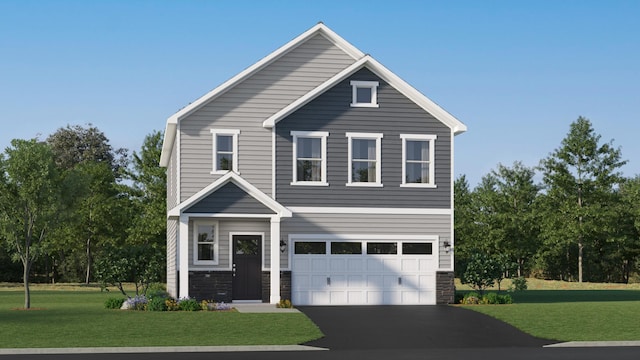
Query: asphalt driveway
(412, 327)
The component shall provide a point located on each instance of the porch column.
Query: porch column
(275, 260)
(183, 247)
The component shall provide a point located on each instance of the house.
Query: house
(315, 175)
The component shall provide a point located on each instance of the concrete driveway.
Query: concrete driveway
(412, 327)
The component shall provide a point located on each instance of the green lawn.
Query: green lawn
(78, 319)
(572, 315)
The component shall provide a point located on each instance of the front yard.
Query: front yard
(77, 318)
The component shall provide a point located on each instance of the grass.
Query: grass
(572, 312)
(77, 318)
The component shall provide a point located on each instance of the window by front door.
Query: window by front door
(364, 159)
(309, 157)
(205, 242)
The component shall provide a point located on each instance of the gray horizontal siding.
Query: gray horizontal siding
(396, 115)
(172, 257)
(229, 199)
(378, 224)
(246, 106)
(172, 178)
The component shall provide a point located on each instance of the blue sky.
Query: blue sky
(517, 73)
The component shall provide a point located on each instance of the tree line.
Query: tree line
(580, 222)
(72, 200)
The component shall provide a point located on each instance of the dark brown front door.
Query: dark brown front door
(247, 267)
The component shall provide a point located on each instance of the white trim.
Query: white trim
(230, 215)
(274, 260)
(216, 241)
(243, 184)
(273, 163)
(234, 148)
(431, 139)
(452, 240)
(183, 263)
(378, 161)
(322, 135)
(358, 84)
(386, 75)
(366, 210)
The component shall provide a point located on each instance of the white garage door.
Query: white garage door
(363, 272)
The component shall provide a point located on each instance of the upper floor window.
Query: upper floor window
(205, 242)
(309, 157)
(418, 160)
(364, 93)
(364, 159)
(225, 150)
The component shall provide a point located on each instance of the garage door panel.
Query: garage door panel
(426, 264)
(355, 265)
(338, 265)
(409, 265)
(318, 281)
(318, 265)
(355, 281)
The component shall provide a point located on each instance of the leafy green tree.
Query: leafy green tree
(91, 170)
(482, 271)
(579, 181)
(29, 198)
(464, 225)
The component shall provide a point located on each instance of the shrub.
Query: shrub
(113, 303)
(222, 306)
(518, 284)
(471, 298)
(459, 297)
(172, 304)
(138, 302)
(188, 305)
(490, 298)
(505, 299)
(285, 304)
(157, 303)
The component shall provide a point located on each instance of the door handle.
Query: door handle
(399, 281)
(328, 281)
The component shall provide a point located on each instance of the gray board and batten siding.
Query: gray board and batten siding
(396, 114)
(245, 106)
(229, 199)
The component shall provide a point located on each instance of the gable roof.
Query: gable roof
(380, 70)
(320, 28)
(243, 184)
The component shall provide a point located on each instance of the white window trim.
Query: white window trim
(373, 85)
(322, 135)
(234, 165)
(216, 242)
(365, 136)
(419, 137)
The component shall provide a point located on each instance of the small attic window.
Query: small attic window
(364, 93)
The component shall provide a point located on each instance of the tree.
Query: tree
(482, 271)
(149, 190)
(579, 179)
(91, 170)
(29, 196)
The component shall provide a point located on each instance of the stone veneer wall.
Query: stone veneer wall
(285, 285)
(445, 288)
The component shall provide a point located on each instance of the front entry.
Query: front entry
(247, 267)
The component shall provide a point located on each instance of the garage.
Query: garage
(363, 272)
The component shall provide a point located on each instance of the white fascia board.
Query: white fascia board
(287, 110)
(254, 192)
(167, 143)
(416, 96)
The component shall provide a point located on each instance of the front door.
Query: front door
(247, 267)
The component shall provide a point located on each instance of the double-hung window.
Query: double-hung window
(418, 160)
(225, 150)
(205, 242)
(364, 151)
(309, 158)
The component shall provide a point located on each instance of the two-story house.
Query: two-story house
(315, 175)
